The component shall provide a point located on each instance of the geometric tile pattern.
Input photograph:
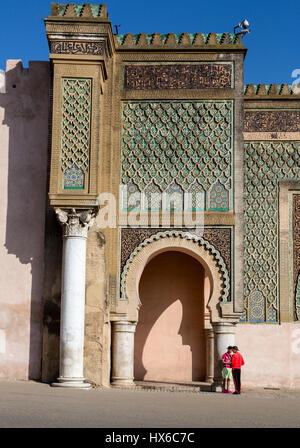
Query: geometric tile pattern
(73, 178)
(257, 307)
(76, 125)
(265, 163)
(170, 146)
(218, 198)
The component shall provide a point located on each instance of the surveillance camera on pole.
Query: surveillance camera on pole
(243, 28)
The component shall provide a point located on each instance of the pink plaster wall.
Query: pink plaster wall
(169, 340)
(271, 353)
(23, 173)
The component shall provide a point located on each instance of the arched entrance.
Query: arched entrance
(169, 338)
(219, 315)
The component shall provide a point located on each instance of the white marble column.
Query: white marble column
(224, 335)
(209, 340)
(75, 228)
(123, 353)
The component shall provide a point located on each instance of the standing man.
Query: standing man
(227, 371)
(237, 362)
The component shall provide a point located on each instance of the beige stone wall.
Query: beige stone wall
(23, 176)
(97, 329)
(271, 353)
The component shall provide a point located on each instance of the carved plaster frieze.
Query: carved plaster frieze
(219, 261)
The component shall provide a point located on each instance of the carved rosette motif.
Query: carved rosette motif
(75, 224)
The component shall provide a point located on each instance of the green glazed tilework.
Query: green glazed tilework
(265, 163)
(178, 147)
(192, 36)
(76, 124)
(78, 9)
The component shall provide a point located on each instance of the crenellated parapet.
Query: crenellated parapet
(172, 40)
(272, 111)
(271, 90)
(84, 11)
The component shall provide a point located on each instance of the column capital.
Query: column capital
(224, 326)
(75, 224)
(209, 332)
(124, 326)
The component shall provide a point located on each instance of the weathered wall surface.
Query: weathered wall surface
(97, 330)
(51, 297)
(271, 353)
(23, 173)
(97, 327)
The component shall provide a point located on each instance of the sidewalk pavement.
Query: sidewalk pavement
(37, 405)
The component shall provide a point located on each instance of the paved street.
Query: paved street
(29, 404)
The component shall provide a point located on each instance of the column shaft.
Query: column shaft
(123, 353)
(72, 308)
(224, 335)
(209, 340)
(75, 228)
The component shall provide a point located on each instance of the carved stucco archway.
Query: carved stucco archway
(219, 304)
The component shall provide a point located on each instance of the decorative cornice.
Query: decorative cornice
(177, 40)
(185, 235)
(84, 11)
(271, 90)
(75, 224)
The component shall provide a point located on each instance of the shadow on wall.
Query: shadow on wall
(26, 110)
(169, 339)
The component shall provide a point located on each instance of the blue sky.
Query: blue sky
(273, 45)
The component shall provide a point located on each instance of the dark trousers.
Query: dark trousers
(236, 373)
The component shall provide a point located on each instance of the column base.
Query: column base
(72, 383)
(119, 382)
(217, 387)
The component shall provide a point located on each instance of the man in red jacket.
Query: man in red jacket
(237, 362)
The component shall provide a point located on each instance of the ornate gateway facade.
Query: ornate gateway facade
(177, 190)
